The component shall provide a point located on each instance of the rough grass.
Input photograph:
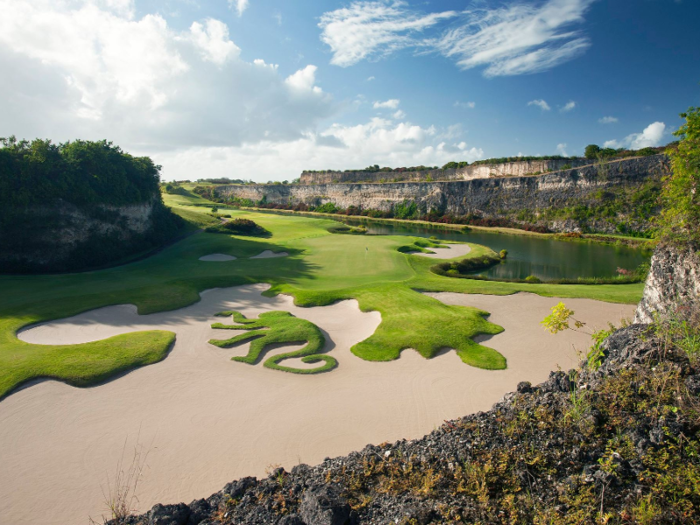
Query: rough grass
(321, 268)
(277, 328)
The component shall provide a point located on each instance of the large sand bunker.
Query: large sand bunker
(452, 251)
(208, 420)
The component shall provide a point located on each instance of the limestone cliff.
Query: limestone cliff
(65, 237)
(492, 197)
(673, 281)
(475, 171)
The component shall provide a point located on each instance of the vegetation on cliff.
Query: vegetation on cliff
(680, 219)
(60, 206)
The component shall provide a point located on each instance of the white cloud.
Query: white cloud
(81, 70)
(213, 41)
(370, 30)
(652, 136)
(465, 105)
(539, 103)
(370, 79)
(304, 80)
(568, 107)
(278, 17)
(238, 5)
(378, 141)
(509, 40)
(608, 120)
(86, 69)
(518, 38)
(561, 149)
(387, 104)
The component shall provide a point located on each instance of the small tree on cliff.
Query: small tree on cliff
(591, 151)
(679, 222)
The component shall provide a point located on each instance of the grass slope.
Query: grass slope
(321, 268)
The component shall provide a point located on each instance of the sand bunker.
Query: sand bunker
(268, 254)
(452, 251)
(207, 420)
(217, 257)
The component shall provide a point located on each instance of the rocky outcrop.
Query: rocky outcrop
(65, 237)
(485, 197)
(475, 171)
(674, 279)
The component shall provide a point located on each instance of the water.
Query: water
(547, 259)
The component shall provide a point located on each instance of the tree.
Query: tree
(591, 151)
(680, 216)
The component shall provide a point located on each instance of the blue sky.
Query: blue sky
(261, 89)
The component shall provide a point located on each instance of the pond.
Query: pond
(545, 258)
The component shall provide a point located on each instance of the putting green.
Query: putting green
(321, 268)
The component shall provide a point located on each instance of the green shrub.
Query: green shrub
(503, 254)
(532, 279)
(239, 227)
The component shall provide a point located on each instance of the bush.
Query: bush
(239, 227)
(465, 266)
(532, 279)
(503, 254)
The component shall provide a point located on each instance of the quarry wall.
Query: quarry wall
(476, 171)
(487, 197)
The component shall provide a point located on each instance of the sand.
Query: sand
(452, 251)
(217, 257)
(207, 420)
(268, 254)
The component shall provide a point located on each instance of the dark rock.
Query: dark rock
(169, 514)
(323, 505)
(524, 387)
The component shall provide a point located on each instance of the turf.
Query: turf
(321, 268)
(277, 328)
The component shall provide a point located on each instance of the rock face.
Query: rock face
(674, 279)
(486, 197)
(63, 237)
(476, 171)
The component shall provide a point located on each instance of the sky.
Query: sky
(262, 89)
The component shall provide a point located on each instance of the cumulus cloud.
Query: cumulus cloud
(568, 107)
(399, 115)
(213, 41)
(239, 6)
(465, 105)
(371, 30)
(304, 80)
(378, 141)
(508, 40)
(540, 104)
(85, 69)
(387, 104)
(608, 120)
(652, 136)
(561, 149)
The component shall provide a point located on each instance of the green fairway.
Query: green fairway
(321, 268)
